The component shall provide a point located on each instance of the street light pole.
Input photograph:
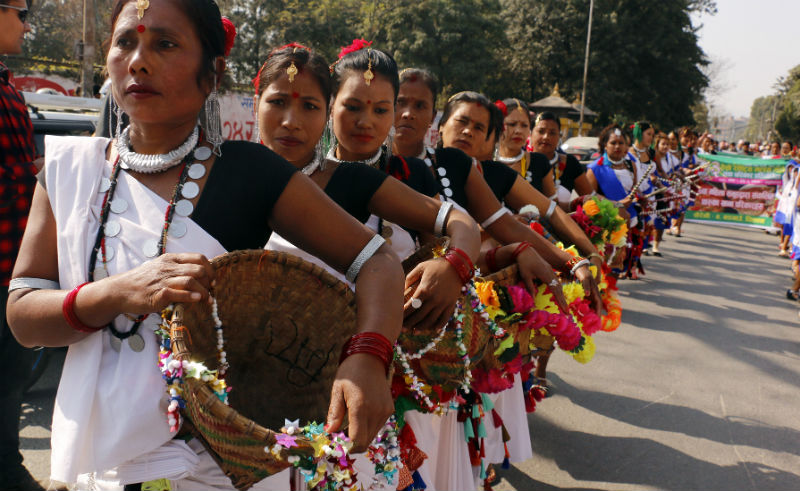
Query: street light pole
(87, 59)
(586, 68)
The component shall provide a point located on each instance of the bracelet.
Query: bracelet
(597, 255)
(371, 343)
(440, 228)
(367, 252)
(495, 216)
(491, 262)
(580, 264)
(32, 283)
(571, 262)
(461, 262)
(521, 247)
(68, 309)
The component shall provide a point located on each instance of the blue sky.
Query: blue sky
(757, 41)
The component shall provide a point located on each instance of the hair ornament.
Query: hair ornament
(502, 107)
(356, 45)
(292, 70)
(230, 34)
(368, 75)
(617, 132)
(456, 95)
(520, 109)
(141, 6)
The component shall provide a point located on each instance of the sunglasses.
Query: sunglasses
(22, 12)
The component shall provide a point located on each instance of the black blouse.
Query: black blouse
(572, 171)
(538, 166)
(241, 190)
(352, 186)
(413, 172)
(456, 165)
(499, 177)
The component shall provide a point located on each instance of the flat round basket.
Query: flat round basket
(505, 277)
(285, 321)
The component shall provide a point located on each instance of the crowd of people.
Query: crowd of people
(121, 227)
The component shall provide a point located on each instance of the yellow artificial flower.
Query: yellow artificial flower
(591, 208)
(586, 355)
(572, 291)
(486, 293)
(619, 237)
(544, 301)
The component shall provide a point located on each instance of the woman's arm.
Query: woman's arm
(548, 183)
(36, 317)
(305, 216)
(439, 283)
(582, 185)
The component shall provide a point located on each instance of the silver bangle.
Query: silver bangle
(32, 283)
(367, 252)
(495, 216)
(550, 210)
(440, 228)
(584, 262)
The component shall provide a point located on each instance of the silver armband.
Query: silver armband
(440, 228)
(367, 252)
(32, 283)
(550, 210)
(495, 216)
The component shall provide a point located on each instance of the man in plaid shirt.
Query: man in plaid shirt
(17, 181)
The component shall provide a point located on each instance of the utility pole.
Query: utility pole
(87, 53)
(586, 68)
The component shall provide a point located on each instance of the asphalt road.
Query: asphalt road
(698, 389)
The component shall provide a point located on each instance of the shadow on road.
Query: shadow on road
(680, 419)
(639, 461)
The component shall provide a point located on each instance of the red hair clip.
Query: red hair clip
(501, 106)
(356, 45)
(230, 34)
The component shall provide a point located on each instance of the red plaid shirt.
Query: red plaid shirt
(17, 172)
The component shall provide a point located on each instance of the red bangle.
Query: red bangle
(68, 309)
(371, 343)
(456, 258)
(521, 247)
(571, 263)
(491, 262)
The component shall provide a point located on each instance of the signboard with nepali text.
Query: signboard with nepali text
(741, 193)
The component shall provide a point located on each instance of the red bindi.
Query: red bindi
(140, 28)
(413, 77)
(295, 95)
(369, 101)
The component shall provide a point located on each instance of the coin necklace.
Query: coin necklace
(180, 204)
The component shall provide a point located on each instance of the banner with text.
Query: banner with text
(742, 193)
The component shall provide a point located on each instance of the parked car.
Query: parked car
(583, 148)
(61, 115)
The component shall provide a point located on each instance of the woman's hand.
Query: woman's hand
(584, 275)
(533, 267)
(597, 262)
(438, 289)
(361, 389)
(167, 279)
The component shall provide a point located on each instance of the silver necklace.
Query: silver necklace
(511, 160)
(616, 162)
(311, 167)
(152, 163)
(370, 161)
(555, 158)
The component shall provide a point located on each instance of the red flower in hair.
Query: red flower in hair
(290, 45)
(358, 44)
(502, 106)
(230, 34)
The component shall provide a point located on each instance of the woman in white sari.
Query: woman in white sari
(119, 229)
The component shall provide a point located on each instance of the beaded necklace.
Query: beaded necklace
(152, 248)
(370, 161)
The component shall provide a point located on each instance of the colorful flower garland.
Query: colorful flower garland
(600, 220)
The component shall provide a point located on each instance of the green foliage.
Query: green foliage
(644, 62)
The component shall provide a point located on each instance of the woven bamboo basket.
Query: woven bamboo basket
(443, 365)
(284, 322)
(505, 277)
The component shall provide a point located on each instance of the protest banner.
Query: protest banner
(741, 193)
